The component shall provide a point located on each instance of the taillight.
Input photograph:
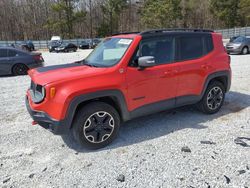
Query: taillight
(38, 58)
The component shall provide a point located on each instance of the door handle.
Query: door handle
(169, 73)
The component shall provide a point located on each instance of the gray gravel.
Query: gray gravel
(148, 152)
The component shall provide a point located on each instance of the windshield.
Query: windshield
(109, 52)
(239, 39)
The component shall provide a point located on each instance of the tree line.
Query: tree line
(40, 19)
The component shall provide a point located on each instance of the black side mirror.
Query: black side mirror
(146, 61)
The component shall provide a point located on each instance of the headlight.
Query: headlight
(37, 92)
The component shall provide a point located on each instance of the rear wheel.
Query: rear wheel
(96, 125)
(213, 98)
(244, 51)
(19, 69)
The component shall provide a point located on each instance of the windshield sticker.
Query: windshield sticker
(125, 41)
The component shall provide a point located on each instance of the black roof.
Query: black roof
(167, 30)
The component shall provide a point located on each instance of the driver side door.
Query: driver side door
(149, 89)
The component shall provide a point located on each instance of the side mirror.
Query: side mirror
(146, 61)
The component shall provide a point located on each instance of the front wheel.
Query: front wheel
(213, 98)
(96, 125)
(244, 51)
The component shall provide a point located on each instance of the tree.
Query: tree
(111, 10)
(227, 11)
(245, 12)
(161, 13)
(66, 17)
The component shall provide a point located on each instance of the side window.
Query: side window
(162, 49)
(190, 47)
(208, 44)
(3, 53)
(12, 53)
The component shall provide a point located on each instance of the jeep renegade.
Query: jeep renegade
(127, 76)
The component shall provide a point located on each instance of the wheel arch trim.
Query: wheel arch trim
(215, 75)
(112, 94)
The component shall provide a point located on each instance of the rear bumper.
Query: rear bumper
(45, 121)
(36, 65)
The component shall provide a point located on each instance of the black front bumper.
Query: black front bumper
(45, 121)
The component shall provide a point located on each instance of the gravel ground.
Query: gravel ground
(149, 152)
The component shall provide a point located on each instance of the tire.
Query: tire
(244, 50)
(96, 125)
(213, 98)
(20, 69)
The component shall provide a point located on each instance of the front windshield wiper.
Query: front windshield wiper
(84, 62)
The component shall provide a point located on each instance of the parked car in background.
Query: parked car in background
(239, 45)
(84, 45)
(56, 38)
(54, 44)
(95, 42)
(25, 45)
(17, 62)
(66, 47)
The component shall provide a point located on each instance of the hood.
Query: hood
(233, 43)
(65, 72)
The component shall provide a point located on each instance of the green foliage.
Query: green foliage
(161, 13)
(245, 12)
(65, 17)
(103, 30)
(111, 10)
(227, 11)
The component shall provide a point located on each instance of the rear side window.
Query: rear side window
(14, 53)
(190, 47)
(3, 53)
(208, 44)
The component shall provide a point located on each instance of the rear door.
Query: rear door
(19, 57)
(193, 66)
(5, 66)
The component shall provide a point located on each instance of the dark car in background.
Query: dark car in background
(84, 45)
(54, 44)
(25, 45)
(66, 47)
(17, 62)
(95, 42)
(239, 45)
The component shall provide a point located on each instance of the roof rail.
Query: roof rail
(175, 29)
(126, 33)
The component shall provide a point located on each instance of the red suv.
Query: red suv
(127, 76)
